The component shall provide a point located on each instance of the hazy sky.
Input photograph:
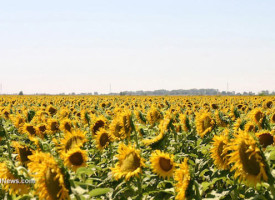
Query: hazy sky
(84, 46)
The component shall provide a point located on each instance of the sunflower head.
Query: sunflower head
(162, 164)
(182, 178)
(266, 138)
(71, 140)
(103, 138)
(23, 152)
(204, 123)
(66, 125)
(219, 151)
(246, 159)
(99, 122)
(129, 164)
(75, 158)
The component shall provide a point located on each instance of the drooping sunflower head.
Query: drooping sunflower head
(23, 151)
(257, 116)
(182, 178)
(129, 162)
(246, 159)
(266, 138)
(219, 151)
(12, 188)
(75, 158)
(162, 164)
(204, 123)
(103, 138)
(49, 178)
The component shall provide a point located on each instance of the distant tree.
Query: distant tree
(21, 93)
(95, 93)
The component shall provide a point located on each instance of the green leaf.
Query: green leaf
(99, 191)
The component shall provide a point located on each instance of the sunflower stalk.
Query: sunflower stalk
(198, 195)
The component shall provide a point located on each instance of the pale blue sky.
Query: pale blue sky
(83, 46)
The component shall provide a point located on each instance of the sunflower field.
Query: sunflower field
(137, 147)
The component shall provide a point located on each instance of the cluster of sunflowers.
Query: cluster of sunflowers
(134, 147)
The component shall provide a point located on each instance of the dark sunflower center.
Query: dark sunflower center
(273, 118)
(76, 159)
(258, 116)
(54, 126)
(269, 104)
(130, 163)
(31, 130)
(52, 110)
(42, 128)
(52, 184)
(24, 153)
(249, 163)
(104, 139)
(215, 106)
(68, 126)
(266, 139)
(251, 128)
(165, 164)
(99, 124)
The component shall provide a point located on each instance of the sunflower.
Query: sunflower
(257, 116)
(99, 122)
(66, 125)
(272, 118)
(184, 121)
(182, 178)
(116, 128)
(18, 121)
(266, 137)
(249, 127)
(238, 125)
(75, 158)
(204, 123)
(246, 159)
(129, 162)
(162, 164)
(49, 178)
(76, 138)
(53, 126)
(154, 140)
(23, 151)
(154, 115)
(126, 118)
(7, 174)
(30, 129)
(218, 150)
(42, 129)
(52, 110)
(103, 138)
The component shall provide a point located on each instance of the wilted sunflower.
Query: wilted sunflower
(266, 137)
(50, 182)
(76, 138)
(75, 158)
(129, 162)
(103, 138)
(23, 152)
(204, 123)
(219, 151)
(246, 159)
(182, 178)
(12, 188)
(162, 164)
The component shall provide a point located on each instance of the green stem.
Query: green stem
(198, 195)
